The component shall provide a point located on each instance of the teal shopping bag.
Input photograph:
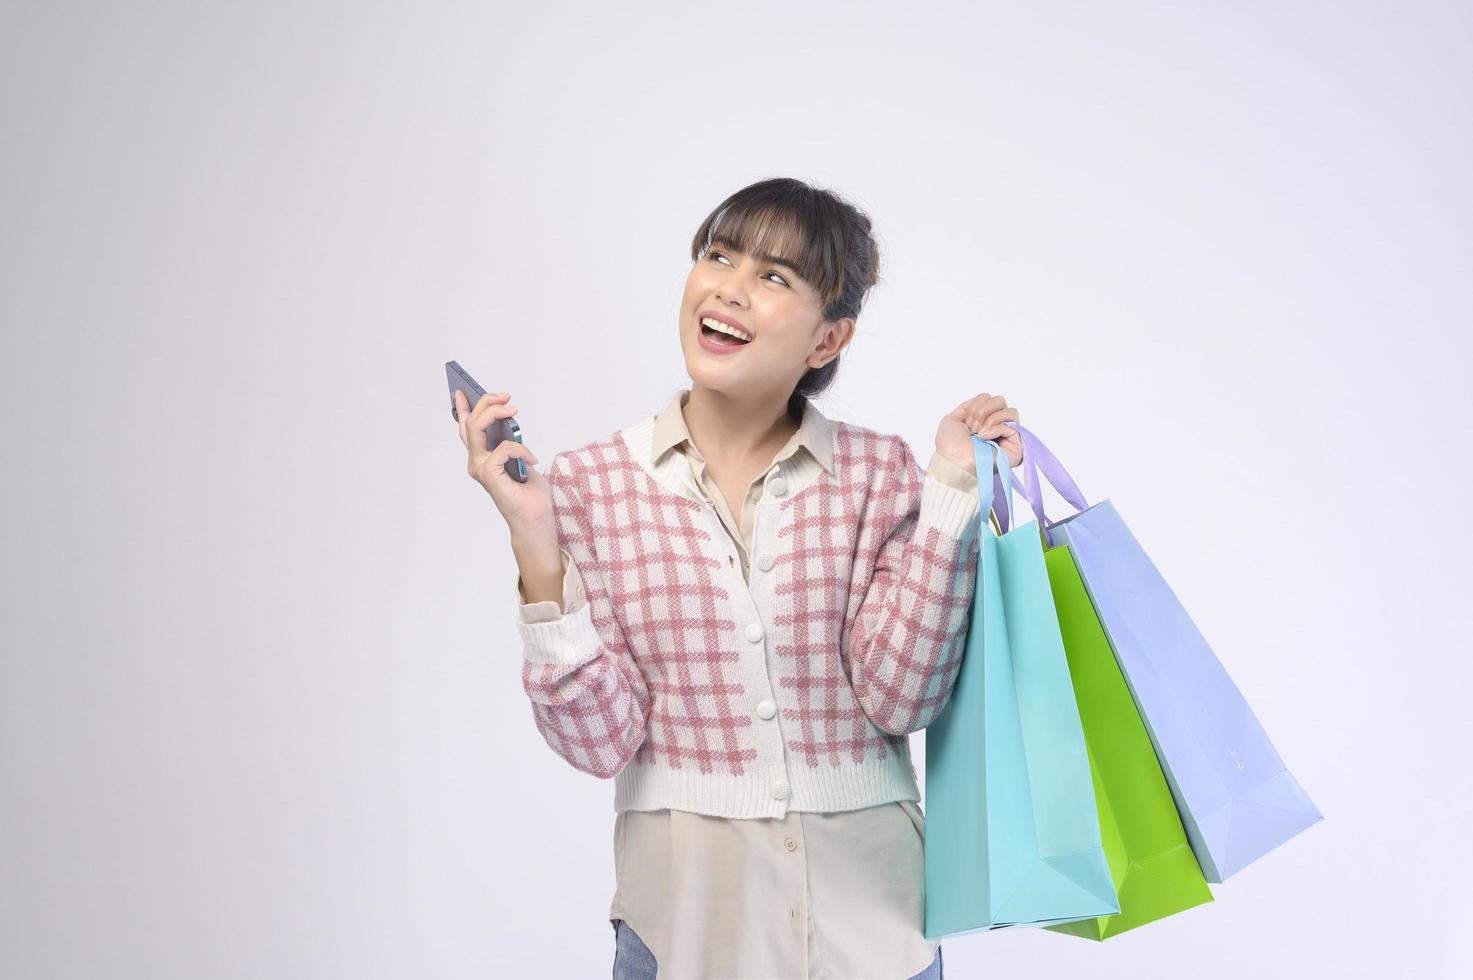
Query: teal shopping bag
(1012, 829)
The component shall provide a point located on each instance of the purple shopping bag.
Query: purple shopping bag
(1237, 799)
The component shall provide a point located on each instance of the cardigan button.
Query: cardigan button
(754, 632)
(777, 486)
(764, 562)
(766, 709)
(779, 789)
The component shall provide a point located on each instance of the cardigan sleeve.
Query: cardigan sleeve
(919, 533)
(589, 698)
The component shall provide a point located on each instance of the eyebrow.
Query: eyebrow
(725, 242)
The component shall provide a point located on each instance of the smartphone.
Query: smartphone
(496, 432)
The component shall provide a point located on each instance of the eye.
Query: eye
(713, 255)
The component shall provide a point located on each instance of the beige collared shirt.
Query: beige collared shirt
(808, 895)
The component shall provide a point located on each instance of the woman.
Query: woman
(738, 609)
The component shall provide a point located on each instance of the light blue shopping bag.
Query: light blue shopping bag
(1236, 797)
(1012, 830)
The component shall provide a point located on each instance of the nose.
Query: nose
(730, 287)
(730, 294)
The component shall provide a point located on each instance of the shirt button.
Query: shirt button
(766, 709)
(754, 632)
(778, 487)
(790, 844)
(779, 789)
(764, 562)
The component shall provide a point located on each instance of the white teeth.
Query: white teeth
(716, 324)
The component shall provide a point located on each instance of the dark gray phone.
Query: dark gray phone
(496, 432)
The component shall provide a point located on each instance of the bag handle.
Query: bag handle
(999, 489)
(1036, 457)
(999, 521)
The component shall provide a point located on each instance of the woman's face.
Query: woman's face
(765, 298)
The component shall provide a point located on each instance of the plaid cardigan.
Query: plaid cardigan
(791, 688)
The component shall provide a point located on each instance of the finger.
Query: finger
(483, 417)
(968, 407)
(996, 426)
(480, 438)
(494, 462)
(989, 425)
(473, 429)
(980, 407)
(510, 447)
(976, 412)
(461, 411)
(994, 422)
(487, 400)
(477, 429)
(460, 399)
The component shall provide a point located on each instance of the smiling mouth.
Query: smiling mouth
(718, 337)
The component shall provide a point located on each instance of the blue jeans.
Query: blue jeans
(634, 961)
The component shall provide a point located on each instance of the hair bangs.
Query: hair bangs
(781, 229)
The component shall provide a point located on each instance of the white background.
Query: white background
(261, 714)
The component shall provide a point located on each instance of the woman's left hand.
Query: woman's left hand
(984, 416)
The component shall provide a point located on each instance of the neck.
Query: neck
(731, 430)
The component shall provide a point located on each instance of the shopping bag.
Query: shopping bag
(1012, 827)
(1154, 869)
(1236, 798)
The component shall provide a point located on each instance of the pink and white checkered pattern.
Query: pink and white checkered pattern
(876, 601)
(871, 595)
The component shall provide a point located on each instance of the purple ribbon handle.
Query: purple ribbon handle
(1036, 456)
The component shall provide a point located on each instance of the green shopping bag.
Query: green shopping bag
(1155, 871)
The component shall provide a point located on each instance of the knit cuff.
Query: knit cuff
(949, 510)
(569, 640)
(952, 473)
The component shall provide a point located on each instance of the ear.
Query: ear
(833, 338)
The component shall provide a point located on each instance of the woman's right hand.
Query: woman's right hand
(526, 507)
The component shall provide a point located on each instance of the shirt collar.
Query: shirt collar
(814, 433)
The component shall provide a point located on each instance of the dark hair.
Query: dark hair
(836, 252)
